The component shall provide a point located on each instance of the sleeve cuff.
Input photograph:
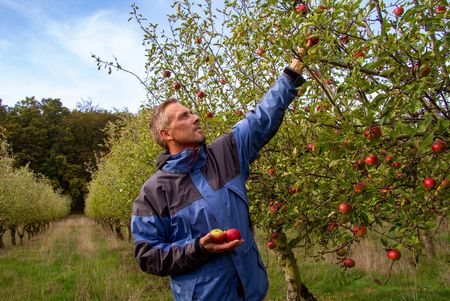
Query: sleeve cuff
(294, 77)
(199, 250)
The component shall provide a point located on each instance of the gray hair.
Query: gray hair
(159, 120)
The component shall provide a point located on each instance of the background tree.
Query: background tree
(56, 142)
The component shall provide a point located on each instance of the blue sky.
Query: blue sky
(46, 46)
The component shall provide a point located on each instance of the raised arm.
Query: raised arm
(261, 124)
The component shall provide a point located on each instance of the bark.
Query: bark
(13, 235)
(427, 243)
(2, 231)
(296, 289)
(118, 232)
(129, 232)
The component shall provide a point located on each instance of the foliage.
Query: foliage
(26, 200)
(122, 171)
(377, 84)
(56, 142)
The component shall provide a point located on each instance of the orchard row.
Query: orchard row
(27, 202)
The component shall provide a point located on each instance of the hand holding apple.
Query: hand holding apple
(218, 241)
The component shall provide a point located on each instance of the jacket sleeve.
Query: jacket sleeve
(261, 124)
(156, 256)
(156, 252)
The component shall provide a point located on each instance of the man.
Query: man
(200, 187)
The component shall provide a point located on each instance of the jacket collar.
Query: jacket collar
(187, 160)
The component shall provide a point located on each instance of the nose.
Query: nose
(196, 119)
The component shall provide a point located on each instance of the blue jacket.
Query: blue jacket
(198, 190)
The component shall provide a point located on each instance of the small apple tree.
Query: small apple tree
(368, 127)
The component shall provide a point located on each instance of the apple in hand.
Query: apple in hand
(217, 236)
(394, 254)
(232, 234)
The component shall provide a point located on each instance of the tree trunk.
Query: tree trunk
(129, 232)
(13, 235)
(427, 243)
(118, 231)
(296, 290)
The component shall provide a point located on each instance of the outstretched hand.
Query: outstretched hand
(209, 246)
(297, 64)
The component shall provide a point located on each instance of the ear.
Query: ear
(165, 135)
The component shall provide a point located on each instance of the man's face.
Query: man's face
(184, 128)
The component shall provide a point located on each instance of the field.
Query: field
(76, 259)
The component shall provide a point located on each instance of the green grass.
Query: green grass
(77, 260)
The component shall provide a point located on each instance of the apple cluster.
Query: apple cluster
(219, 237)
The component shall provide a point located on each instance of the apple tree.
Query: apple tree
(364, 147)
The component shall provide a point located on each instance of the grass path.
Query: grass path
(76, 260)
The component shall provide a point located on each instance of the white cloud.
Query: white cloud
(55, 60)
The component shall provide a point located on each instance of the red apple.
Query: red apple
(398, 11)
(394, 254)
(275, 235)
(302, 8)
(271, 171)
(260, 51)
(176, 85)
(372, 132)
(372, 160)
(198, 39)
(322, 7)
(332, 226)
(438, 146)
(345, 208)
(232, 234)
(359, 187)
(271, 244)
(209, 115)
(359, 54)
(429, 183)
(444, 184)
(397, 164)
(389, 158)
(293, 190)
(166, 73)
(223, 80)
(312, 41)
(359, 164)
(344, 39)
(440, 9)
(359, 231)
(217, 236)
(238, 112)
(310, 147)
(200, 94)
(348, 263)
